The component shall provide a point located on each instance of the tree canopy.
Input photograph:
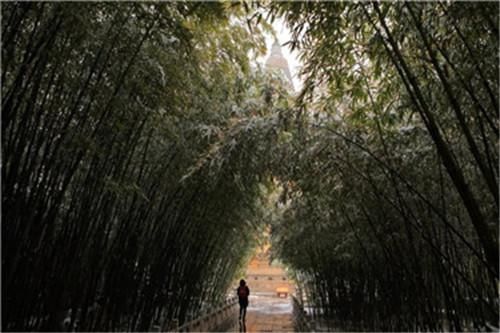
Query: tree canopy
(143, 151)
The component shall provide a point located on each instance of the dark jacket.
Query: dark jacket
(243, 292)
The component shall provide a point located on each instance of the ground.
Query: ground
(268, 313)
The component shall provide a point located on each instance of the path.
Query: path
(268, 314)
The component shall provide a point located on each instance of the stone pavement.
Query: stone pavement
(267, 314)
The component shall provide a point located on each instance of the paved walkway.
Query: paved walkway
(267, 314)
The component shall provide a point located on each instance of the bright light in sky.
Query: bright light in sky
(283, 35)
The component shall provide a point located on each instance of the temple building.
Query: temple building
(264, 276)
(277, 63)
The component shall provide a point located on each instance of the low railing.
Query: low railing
(223, 318)
(300, 320)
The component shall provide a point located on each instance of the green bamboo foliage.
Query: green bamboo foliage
(391, 214)
(139, 151)
(111, 219)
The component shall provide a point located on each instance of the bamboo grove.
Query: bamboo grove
(115, 214)
(391, 215)
(141, 149)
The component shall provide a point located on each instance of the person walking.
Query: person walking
(243, 292)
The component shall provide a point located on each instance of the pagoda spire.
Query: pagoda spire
(277, 62)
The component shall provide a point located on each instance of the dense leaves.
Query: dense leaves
(392, 198)
(112, 218)
(142, 152)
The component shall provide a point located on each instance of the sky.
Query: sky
(283, 35)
